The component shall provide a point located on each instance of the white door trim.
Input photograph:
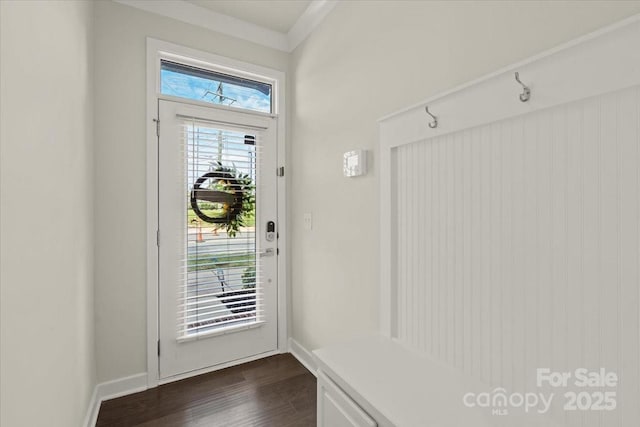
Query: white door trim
(157, 49)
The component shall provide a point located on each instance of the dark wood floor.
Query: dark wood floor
(275, 391)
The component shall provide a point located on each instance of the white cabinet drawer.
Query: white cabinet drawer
(336, 409)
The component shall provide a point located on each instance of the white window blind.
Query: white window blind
(220, 286)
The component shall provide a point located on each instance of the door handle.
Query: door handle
(267, 252)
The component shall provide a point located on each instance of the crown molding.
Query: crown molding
(308, 21)
(205, 18)
(202, 17)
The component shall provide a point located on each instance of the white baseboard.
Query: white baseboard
(92, 410)
(111, 390)
(122, 386)
(303, 355)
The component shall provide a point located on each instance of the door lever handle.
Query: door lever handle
(267, 252)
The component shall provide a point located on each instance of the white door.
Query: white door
(217, 237)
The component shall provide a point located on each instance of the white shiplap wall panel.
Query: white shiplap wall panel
(629, 251)
(518, 247)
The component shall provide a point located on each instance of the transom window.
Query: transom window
(186, 81)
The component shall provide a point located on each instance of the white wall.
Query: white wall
(120, 128)
(47, 327)
(368, 59)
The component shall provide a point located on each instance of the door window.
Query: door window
(220, 287)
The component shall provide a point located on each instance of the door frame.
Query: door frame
(156, 50)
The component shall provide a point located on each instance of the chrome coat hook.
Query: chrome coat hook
(526, 92)
(434, 123)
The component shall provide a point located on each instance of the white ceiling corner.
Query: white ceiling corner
(205, 17)
(308, 21)
(277, 15)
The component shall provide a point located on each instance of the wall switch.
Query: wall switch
(308, 221)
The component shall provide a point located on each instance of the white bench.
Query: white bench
(374, 381)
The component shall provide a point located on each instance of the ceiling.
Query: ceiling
(276, 15)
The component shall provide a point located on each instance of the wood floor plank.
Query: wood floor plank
(274, 391)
